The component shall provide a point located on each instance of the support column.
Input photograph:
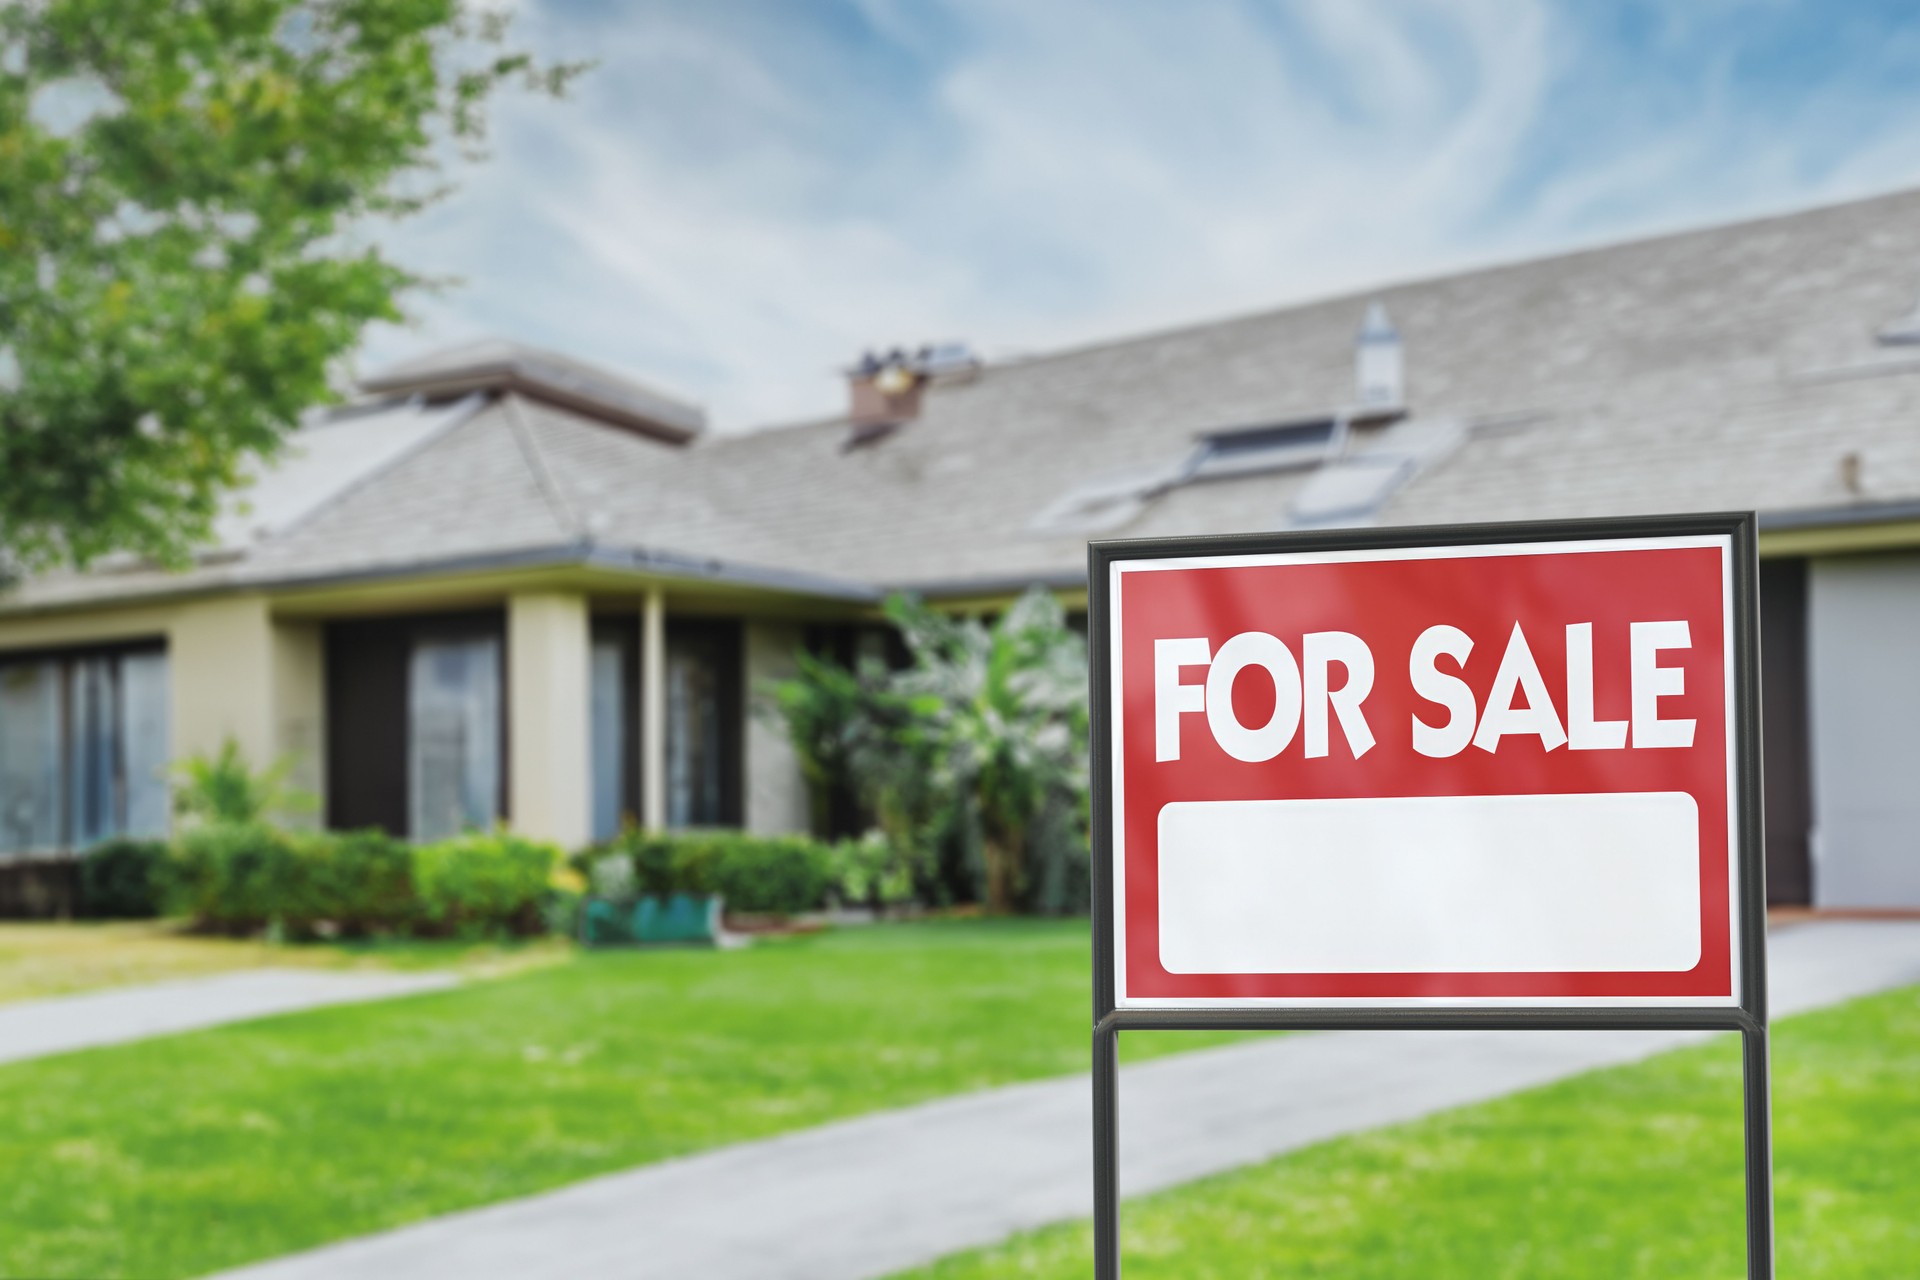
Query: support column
(220, 660)
(653, 711)
(549, 761)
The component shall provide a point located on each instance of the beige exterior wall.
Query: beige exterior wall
(233, 671)
(776, 791)
(548, 738)
(299, 704)
(220, 658)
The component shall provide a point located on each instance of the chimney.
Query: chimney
(1379, 363)
(884, 391)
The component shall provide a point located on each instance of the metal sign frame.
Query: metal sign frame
(1748, 1017)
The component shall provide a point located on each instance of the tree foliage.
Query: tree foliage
(180, 183)
(975, 753)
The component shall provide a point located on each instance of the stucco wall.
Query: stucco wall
(776, 793)
(548, 738)
(1863, 621)
(299, 704)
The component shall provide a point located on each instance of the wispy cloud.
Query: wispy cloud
(744, 196)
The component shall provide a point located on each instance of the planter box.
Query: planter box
(681, 918)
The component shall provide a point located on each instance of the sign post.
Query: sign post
(1484, 776)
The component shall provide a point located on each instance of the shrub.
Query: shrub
(778, 875)
(871, 871)
(483, 882)
(123, 879)
(365, 879)
(240, 876)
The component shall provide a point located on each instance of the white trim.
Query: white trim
(1117, 571)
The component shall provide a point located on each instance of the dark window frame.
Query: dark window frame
(624, 630)
(725, 639)
(391, 636)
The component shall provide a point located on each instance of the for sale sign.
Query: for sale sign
(1487, 767)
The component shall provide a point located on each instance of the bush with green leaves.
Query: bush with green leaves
(761, 875)
(366, 878)
(872, 872)
(246, 877)
(483, 883)
(238, 877)
(124, 879)
(972, 760)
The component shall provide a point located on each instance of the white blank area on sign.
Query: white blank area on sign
(1432, 884)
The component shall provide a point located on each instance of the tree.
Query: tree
(983, 736)
(179, 182)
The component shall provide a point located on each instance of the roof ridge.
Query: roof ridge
(1368, 290)
(525, 437)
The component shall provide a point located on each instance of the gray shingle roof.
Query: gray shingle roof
(1731, 367)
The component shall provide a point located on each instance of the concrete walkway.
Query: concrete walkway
(36, 1028)
(872, 1196)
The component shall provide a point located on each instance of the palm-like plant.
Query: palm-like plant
(223, 788)
(1005, 711)
(982, 736)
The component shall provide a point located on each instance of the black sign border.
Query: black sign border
(1748, 1017)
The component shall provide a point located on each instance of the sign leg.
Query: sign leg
(1106, 1154)
(1753, 1049)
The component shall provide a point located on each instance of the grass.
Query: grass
(185, 1154)
(49, 959)
(1625, 1173)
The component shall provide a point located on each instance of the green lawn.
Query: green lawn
(181, 1155)
(1626, 1173)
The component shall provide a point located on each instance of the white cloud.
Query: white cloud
(736, 209)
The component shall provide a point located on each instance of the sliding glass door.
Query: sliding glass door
(453, 736)
(83, 749)
(703, 687)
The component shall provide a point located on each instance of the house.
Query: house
(503, 584)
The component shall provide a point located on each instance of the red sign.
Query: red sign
(1472, 775)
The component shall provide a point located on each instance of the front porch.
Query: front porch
(565, 703)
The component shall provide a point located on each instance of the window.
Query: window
(1281, 446)
(454, 740)
(83, 749)
(30, 772)
(415, 718)
(703, 724)
(611, 718)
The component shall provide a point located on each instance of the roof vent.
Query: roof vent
(885, 389)
(1379, 362)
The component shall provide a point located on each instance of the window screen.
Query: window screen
(612, 703)
(703, 722)
(30, 757)
(453, 752)
(83, 750)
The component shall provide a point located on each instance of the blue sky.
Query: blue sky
(744, 194)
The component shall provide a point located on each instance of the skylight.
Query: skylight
(1279, 446)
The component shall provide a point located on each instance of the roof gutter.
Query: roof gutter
(1849, 516)
(590, 555)
(584, 555)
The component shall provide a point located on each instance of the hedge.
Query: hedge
(483, 881)
(123, 879)
(775, 875)
(242, 877)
